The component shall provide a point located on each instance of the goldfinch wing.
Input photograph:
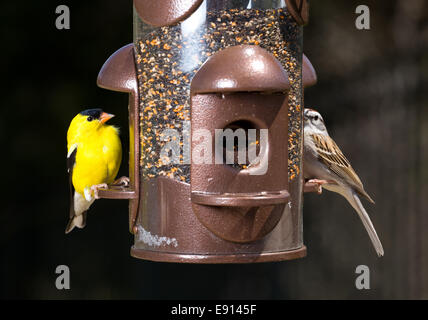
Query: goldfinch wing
(331, 155)
(71, 161)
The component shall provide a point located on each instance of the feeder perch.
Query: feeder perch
(196, 69)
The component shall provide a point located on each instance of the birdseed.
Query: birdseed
(168, 57)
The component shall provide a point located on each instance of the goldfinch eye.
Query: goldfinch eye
(90, 118)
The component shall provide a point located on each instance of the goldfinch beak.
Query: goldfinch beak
(105, 117)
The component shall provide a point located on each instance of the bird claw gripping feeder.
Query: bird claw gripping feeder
(197, 67)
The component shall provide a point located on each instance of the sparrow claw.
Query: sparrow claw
(318, 181)
(314, 185)
(95, 188)
(122, 181)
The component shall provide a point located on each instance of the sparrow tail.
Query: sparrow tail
(355, 202)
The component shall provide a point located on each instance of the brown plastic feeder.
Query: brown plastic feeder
(203, 66)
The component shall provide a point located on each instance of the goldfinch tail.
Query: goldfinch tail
(76, 221)
(78, 212)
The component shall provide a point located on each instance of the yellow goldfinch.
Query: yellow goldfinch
(93, 161)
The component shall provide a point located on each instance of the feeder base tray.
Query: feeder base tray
(218, 258)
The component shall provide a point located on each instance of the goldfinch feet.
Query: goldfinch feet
(122, 181)
(95, 188)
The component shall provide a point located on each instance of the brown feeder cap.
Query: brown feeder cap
(118, 72)
(247, 68)
(161, 13)
(241, 68)
(309, 76)
(299, 9)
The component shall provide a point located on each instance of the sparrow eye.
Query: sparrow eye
(316, 118)
(90, 118)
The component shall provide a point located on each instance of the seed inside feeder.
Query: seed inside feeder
(168, 58)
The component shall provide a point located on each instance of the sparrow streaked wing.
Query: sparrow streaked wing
(335, 160)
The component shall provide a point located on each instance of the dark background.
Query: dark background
(371, 91)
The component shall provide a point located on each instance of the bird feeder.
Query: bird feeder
(198, 69)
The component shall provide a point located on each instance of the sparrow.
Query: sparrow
(93, 161)
(325, 164)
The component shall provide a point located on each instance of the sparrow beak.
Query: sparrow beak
(105, 117)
